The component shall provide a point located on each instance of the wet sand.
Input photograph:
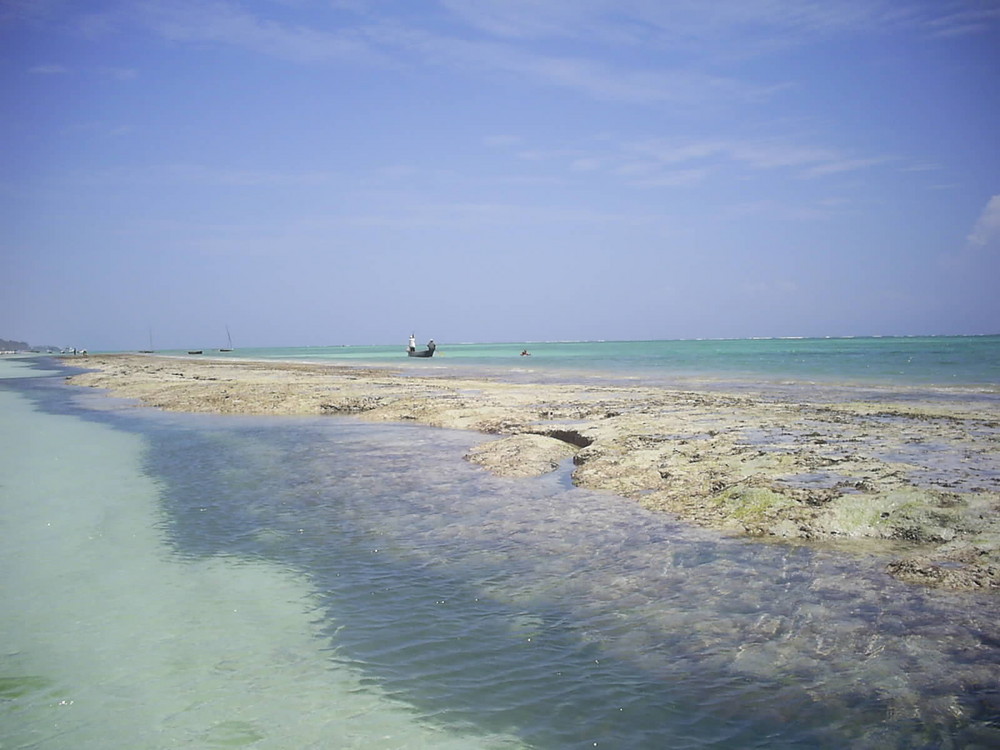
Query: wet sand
(916, 480)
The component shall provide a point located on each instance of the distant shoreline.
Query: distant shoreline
(915, 481)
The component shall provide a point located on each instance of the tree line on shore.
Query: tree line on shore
(10, 345)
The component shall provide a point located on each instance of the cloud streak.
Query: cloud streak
(48, 70)
(584, 74)
(228, 23)
(730, 28)
(399, 42)
(964, 20)
(986, 231)
(677, 162)
(693, 44)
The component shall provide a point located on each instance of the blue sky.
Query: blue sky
(313, 172)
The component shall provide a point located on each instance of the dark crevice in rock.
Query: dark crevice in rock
(570, 436)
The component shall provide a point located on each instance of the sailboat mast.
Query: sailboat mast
(230, 341)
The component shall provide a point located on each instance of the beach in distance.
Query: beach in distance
(857, 453)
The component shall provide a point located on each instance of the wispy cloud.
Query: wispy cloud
(921, 167)
(216, 21)
(243, 177)
(731, 28)
(670, 178)
(202, 175)
(121, 74)
(400, 41)
(809, 161)
(501, 140)
(459, 213)
(593, 77)
(626, 21)
(781, 210)
(837, 166)
(524, 19)
(963, 20)
(692, 44)
(98, 129)
(655, 162)
(48, 70)
(980, 244)
(771, 289)
(986, 231)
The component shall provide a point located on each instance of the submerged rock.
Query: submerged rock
(946, 573)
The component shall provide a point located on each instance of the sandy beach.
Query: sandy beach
(917, 481)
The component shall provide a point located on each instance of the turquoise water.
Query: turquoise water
(176, 580)
(916, 361)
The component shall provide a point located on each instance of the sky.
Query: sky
(323, 172)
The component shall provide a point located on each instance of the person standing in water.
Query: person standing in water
(413, 343)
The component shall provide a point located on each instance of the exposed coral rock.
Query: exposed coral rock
(923, 473)
(521, 455)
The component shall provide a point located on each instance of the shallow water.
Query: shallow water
(968, 363)
(182, 580)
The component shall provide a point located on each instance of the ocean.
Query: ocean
(948, 361)
(176, 580)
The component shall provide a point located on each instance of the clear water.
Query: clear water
(911, 361)
(198, 581)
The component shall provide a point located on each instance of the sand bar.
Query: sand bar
(915, 480)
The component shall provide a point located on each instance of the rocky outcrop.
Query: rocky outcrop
(521, 455)
(919, 478)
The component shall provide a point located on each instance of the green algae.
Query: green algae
(911, 514)
(752, 505)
